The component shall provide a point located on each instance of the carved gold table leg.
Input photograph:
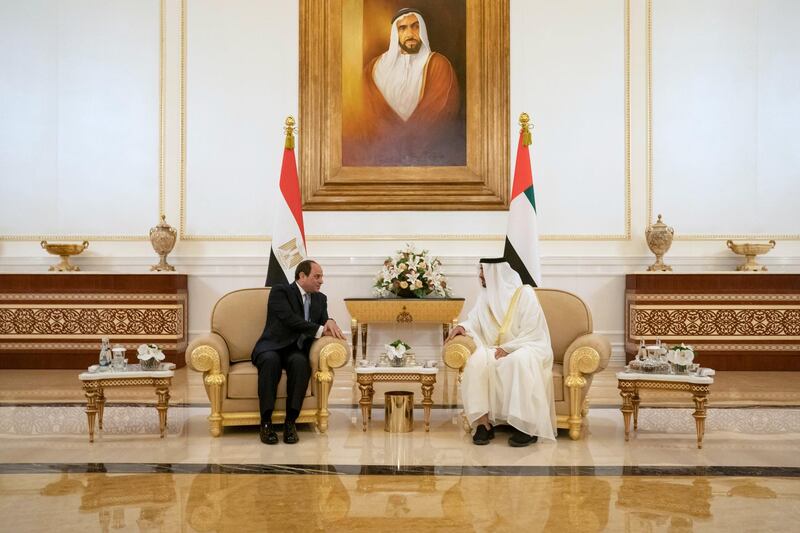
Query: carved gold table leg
(635, 401)
(365, 384)
(427, 402)
(354, 337)
(627, 410)
(364, 328)
(101, 403)
(163, 404)
(700, 397)
(445, 331)
(91, 409)
(371, 398)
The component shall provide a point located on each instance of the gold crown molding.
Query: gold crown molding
(161, 174)
(182, 170)
(690, 236)
(649, 93)
(63, 237)
(405, 237)
(720, 236)
(626, 236)
(162, 99)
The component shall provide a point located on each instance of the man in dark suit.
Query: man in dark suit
(296, 315)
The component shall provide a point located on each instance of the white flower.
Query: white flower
(395, 352)
(149, 351)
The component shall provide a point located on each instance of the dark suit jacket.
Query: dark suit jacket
(286, 320)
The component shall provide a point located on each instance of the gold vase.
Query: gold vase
(750, 251)
(64, 251)
(162, 237)
(659, 239)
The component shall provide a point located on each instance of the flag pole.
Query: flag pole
(525, 129)
(288, 243)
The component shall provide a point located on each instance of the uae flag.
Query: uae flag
(288, 234)
(522, 235)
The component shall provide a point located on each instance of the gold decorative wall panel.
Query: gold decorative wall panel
(57, 320)
(734, 321)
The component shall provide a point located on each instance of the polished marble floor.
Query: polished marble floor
(746, 477)
(364, 502)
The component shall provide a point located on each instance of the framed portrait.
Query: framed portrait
(404, 106)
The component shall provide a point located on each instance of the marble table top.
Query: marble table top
(395, 370)
(131, 371)
(706, 377)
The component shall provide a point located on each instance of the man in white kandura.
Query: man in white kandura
(509, 378)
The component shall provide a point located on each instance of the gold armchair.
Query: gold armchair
(231, 380)
(578, 354)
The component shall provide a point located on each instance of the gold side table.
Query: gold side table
(367, 375)
(630, 383)
(365, 311)
(94, 384)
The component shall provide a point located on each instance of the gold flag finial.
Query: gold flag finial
(289, 129)
(525, 129)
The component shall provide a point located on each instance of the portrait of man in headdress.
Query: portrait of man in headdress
(405, 105)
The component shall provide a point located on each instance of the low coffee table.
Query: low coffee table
(95, 382)
(367, 375)
(630, 383)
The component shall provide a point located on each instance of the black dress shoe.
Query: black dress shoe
(520, 439)
(482, 435)
(268, 435)
(290, 433)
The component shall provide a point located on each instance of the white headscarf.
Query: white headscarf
(502, 281)
(398, 75)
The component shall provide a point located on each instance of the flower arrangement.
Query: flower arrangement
(396, 352)
(681, 356)
(150, 356)
(411, 274)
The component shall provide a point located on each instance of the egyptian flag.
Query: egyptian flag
(288, 234)
(522, 235)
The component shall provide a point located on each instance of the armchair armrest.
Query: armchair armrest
(587, 354)
(204, 360)
(457, 350)
(327, 353)
(209, 355)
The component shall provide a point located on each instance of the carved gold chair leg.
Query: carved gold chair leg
(215, 394)
(465, 423)
(323, 386)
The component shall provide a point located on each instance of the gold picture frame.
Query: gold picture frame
(482, 184)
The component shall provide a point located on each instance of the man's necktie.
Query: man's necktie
(306, 314)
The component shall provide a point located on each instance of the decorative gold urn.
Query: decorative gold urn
(162, 237)
(659, 239)
(64, 251)
(750, 251)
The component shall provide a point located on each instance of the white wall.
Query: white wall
(569, 71)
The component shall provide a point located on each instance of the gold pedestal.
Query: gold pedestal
(399, 415)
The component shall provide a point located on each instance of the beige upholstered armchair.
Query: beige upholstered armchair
(231, 380)
(578, 354)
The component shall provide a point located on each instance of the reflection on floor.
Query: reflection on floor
(746, 477)
(330, 502)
